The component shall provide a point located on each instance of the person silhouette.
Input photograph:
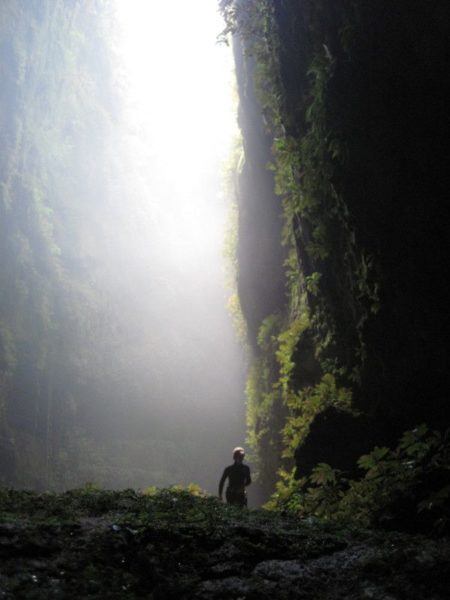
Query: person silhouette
(239, 478)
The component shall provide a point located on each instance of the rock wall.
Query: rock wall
(355, 116)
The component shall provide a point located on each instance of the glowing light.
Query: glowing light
(180, 108)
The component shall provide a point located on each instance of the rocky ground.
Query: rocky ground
(171, 544)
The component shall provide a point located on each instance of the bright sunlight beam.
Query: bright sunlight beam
(181, 111)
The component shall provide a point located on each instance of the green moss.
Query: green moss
(332, 286)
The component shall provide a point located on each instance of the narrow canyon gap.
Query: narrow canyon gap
(181, 114)
(120, 364)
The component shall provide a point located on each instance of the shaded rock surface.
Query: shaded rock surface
(92, 544)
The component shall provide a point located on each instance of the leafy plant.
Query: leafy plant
(332, 284)
(405, 488)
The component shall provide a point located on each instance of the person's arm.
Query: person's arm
(248, 478)
(222, 481)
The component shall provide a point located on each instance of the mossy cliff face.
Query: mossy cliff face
(349, 100)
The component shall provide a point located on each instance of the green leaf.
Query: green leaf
(323, 474)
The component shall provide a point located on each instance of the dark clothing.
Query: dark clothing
(236, 497)
(238, 478)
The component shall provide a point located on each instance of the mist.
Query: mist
(166, 274)
(142, 381)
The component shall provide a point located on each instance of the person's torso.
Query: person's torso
(237, 475)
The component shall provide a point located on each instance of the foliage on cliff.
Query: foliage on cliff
(357, 334)
(279, 394)
(62, 195)
(55, 128)
(406, 488)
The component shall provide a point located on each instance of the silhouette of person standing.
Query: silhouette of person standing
(238, 476)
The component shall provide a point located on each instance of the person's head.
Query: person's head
(238, 454)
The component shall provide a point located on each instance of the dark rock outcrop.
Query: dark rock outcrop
(92, 544)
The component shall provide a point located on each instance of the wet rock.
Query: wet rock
(230, 587)
(226, 552)
(227, 569)
(336, 438)
(264, 556)
(277, 570)
(374, 592)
